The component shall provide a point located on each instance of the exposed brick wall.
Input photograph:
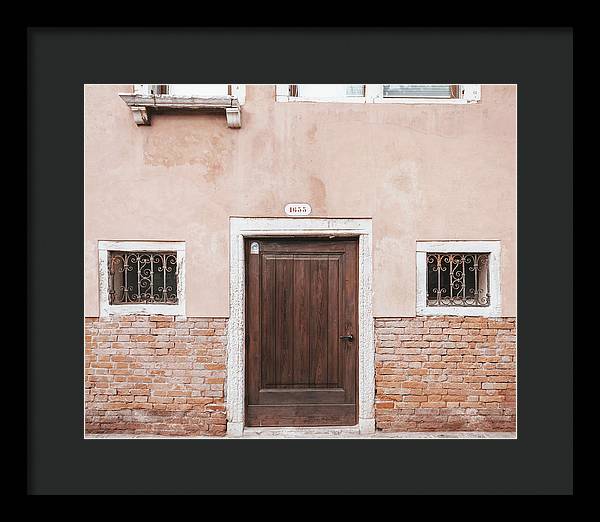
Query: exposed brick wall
(445, 374)
(155, 375)
(165, 375)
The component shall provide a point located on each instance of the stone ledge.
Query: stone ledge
(142, 105)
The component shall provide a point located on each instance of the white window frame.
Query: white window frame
(468, 93)
(106, 309)
(494, 309)
(238, 90)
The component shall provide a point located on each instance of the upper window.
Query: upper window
(418, 90)
(186, 89)
(141, 277)
(380, 93)
(205, 90)
(458, 278)
(325, 90)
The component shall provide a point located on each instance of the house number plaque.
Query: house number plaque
(298, 209)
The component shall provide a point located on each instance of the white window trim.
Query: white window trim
(469, 93)
(238, 90)
(493, 247)
(106, 309)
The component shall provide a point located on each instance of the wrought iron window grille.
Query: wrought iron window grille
(142, 277)
(458, 279)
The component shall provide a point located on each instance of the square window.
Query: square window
(142, 277)
(458, 278)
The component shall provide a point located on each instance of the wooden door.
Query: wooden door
(301, 332)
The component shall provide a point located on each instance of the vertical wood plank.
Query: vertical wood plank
(318, 312)
(301, 320)
(268, 325)
(333, 337)
(284, 350)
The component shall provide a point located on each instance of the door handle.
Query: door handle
(347, 337)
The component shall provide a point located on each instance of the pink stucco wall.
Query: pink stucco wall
(422, 172)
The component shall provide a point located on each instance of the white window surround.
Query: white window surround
(239, 228)
(106, 309)
(493, 247)
(469, 93)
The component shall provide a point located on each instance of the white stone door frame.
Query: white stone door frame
(239, 228)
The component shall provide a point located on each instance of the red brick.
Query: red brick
(463, 384)
(150, 360)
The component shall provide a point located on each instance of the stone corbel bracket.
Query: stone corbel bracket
(142, 105)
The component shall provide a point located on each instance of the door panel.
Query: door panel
(301, 297)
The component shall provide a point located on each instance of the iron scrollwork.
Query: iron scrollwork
(457, 279)
(143, 277)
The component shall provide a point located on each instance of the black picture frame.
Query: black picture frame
(59, 459)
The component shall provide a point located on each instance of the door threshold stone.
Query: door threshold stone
(321, 432)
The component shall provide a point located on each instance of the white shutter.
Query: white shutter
(373, 91)
(198, 89)
(470, 91)
(282, 91)
(329, 90)
(239, 91)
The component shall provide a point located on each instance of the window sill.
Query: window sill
(474, 311)
(435, 101)
(401, 101)
(144, 309)
(349, 99)
(142, 105)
